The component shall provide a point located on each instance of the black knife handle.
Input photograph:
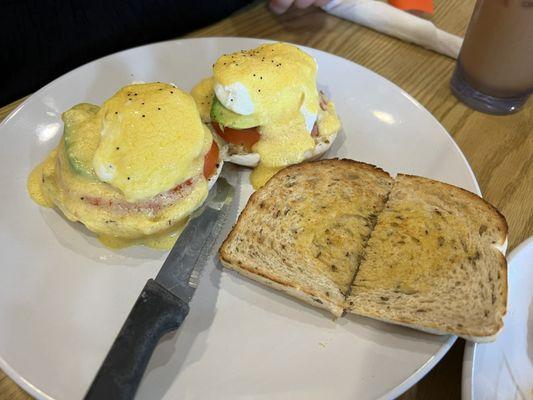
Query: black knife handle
(156, 312)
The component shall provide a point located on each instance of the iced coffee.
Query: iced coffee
(494, 72)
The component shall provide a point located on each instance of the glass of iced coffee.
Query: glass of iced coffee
(494, 72)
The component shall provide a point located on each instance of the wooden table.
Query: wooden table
(499, 149)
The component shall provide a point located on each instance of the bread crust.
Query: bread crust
(314, 299)
(475, 198)
(433, 331)
(340, 161)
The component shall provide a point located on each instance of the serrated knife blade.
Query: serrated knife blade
(182, 269)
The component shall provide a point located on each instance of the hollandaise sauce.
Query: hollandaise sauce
(152, 138)
(203, 96)
(162, 241)
(132, 170)
(35, 181)
(283, 142)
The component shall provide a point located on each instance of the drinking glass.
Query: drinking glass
(494, 71)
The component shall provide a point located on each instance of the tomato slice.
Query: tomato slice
(314, 132)
(240, 137)
(211, 160)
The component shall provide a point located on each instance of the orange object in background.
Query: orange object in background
(425, 6)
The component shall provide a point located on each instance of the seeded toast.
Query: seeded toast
(304, 231)
(344, 236)
(434, 262)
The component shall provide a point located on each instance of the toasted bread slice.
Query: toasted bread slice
(434, 262)
(305, 230)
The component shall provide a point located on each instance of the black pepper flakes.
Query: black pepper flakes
(118, 148)
(159, 108)
(128, 178)
(143, 115)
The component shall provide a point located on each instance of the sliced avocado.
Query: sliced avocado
(230, 119)
(81, 136)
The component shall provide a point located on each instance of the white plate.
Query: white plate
(64, 297)
(503, 370)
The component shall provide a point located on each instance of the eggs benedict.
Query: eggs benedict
(133, 170)
(265, 104)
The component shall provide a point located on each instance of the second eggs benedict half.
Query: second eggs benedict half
(133, 170)
(265, 104)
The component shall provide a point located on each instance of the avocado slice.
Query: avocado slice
(81, 135)
(230, 119)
